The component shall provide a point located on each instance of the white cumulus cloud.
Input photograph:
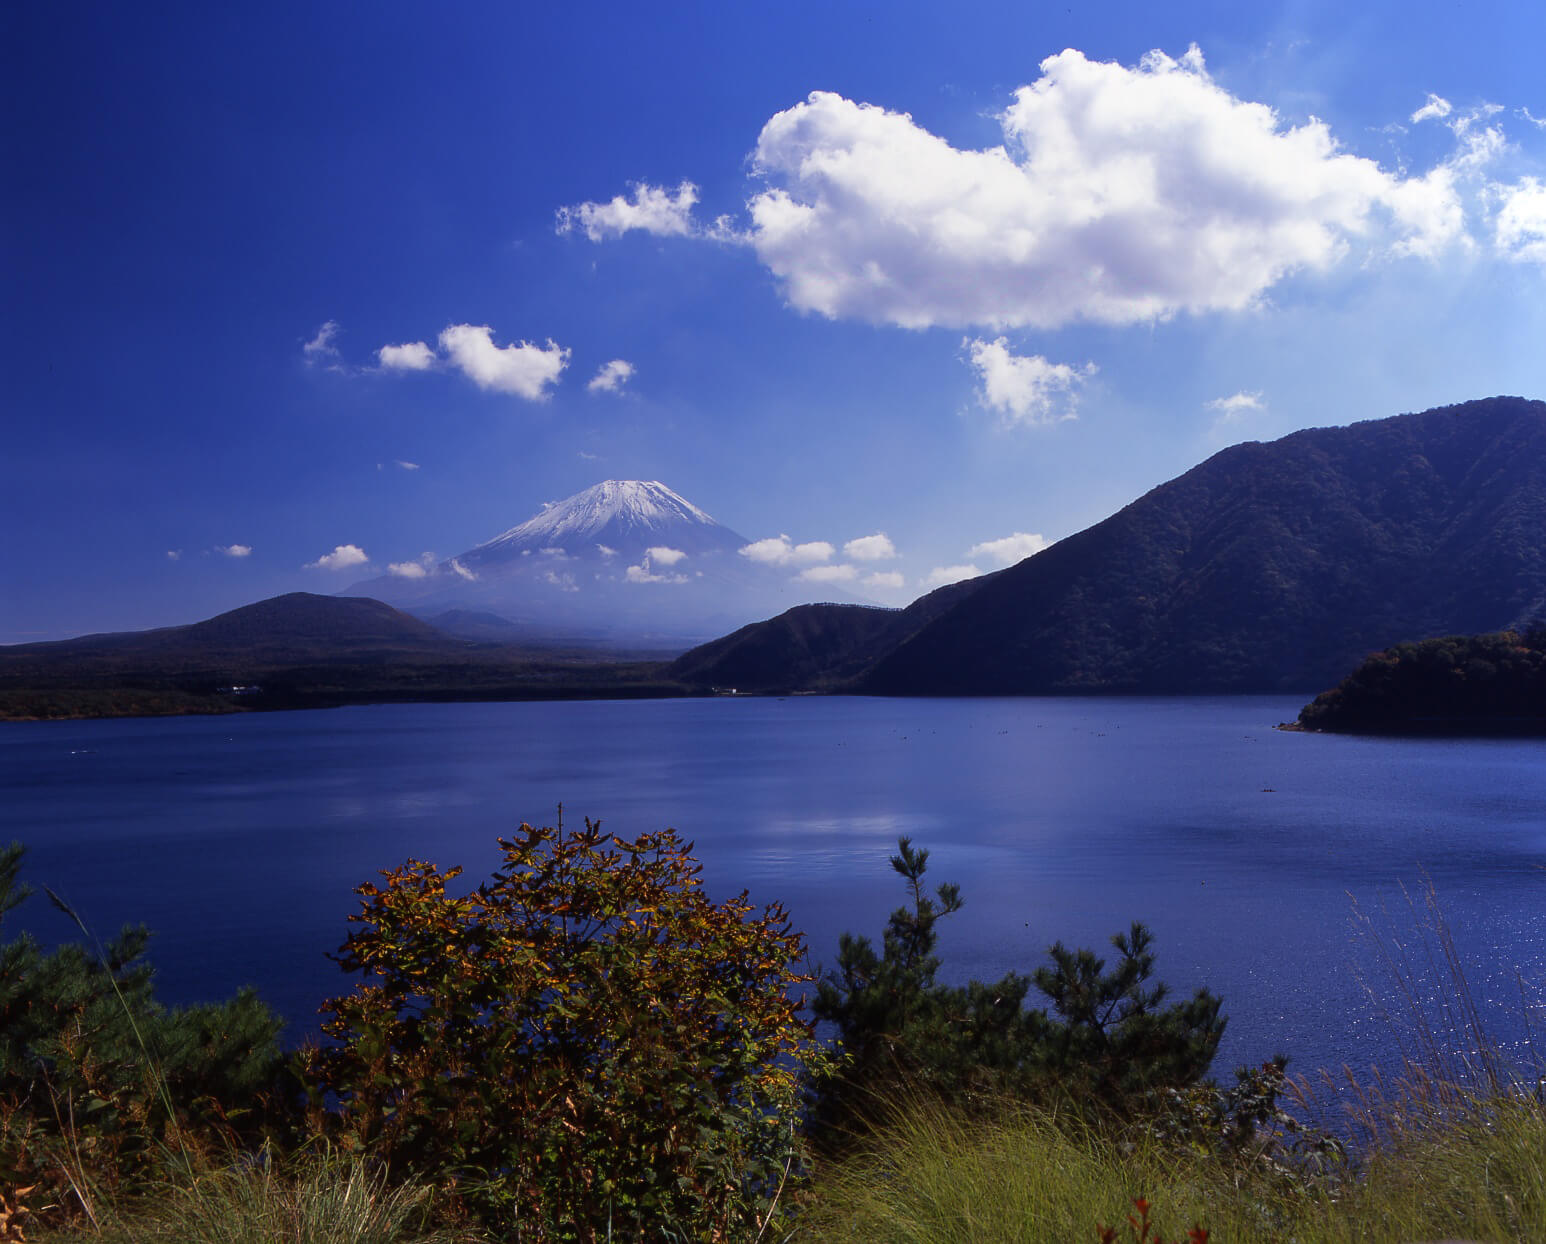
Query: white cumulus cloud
(781, 551)
(524, 369)
(1118, 195)
(413, 570)
(887, 579)
(1520, 228)
(342, 557)
(663, 555)
(1011, 549)
(643, 573)
(876, 548)
(1025, 388)
(840, 573)
(234, 550)
(612, 377)
(653, 209)
(410, 356)
(942, 575)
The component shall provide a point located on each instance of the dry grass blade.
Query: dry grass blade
(13, 1216)
(324, 1200)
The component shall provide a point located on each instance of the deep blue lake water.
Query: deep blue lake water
(239, 839)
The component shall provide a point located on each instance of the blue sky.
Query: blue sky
(286, 279)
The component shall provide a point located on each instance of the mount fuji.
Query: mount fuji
(625, 563)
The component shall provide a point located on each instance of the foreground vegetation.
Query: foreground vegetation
(940, 1175)
(586, 1047)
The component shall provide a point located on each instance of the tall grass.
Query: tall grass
(1450, 1144)
(318, 1199)
(931, 1175)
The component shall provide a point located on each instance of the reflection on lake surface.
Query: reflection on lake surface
(239, 839)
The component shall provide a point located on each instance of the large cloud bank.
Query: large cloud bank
(1119, 195)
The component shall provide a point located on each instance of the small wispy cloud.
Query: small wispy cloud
(342, 557)
(320, 350)
(612, 377)
(1237, 405)
(524, 370)
(664, 555)
(652, 209)
(840, 573)
(407, 466)
(1436, 109)
(461, 570)
(174, 555)
(234, 550)
(876, 548)
(781, 551)
(1025, 388)
(410, 356)
(941, 575)
(418, 569)
(644, 572)
(1010, 549)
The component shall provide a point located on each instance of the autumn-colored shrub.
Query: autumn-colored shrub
(583, 1045)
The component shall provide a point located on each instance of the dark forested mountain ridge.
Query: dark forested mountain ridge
(810, 647)
(294, 627)
(1269, 567)
(299, 651)
(1461, 684)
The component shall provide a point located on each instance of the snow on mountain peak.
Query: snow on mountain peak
(618, 506)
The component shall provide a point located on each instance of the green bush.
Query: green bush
(1109, 1043)
(583, 1046)
(98, 1081)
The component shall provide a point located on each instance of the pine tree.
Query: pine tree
(1108, 1042)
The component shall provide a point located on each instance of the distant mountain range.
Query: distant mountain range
(628, 562)
(1269, 567)
(301, 651)
(285, 629)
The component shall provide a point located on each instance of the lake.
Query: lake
(239, 839)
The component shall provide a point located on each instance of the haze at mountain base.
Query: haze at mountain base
(625, 562)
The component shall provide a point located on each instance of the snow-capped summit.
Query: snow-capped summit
(617, 513)
(627, 561)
